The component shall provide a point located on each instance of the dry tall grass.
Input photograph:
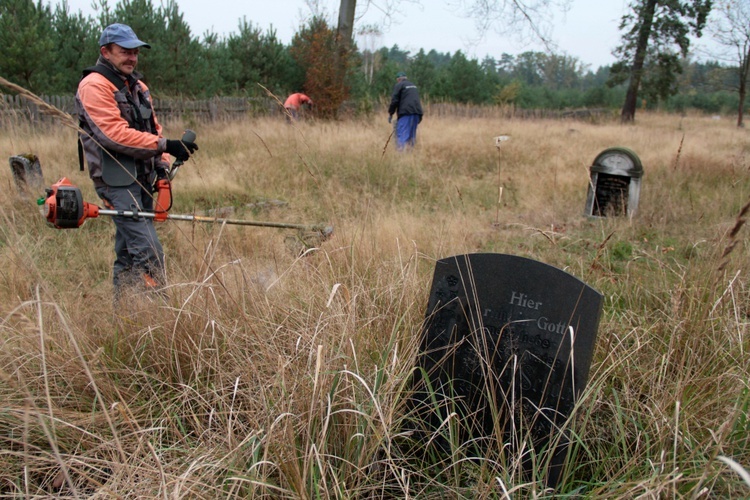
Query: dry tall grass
(270, 374)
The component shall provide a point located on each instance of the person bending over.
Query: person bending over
(405, 102)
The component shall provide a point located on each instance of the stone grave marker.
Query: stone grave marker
(507, 344)
(27, 173)
(615, 184)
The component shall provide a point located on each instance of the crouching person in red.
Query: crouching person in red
(293, 104)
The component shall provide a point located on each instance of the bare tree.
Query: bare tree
(370, 36)
(731, 29)
(527, 18)
(346, 21)
(347, 11)
(348, 8)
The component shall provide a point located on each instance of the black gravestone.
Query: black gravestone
(507, 344)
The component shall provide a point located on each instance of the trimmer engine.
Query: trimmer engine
(64, 207)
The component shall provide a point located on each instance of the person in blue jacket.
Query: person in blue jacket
(405, 102)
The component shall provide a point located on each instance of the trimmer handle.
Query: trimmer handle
(188, 136)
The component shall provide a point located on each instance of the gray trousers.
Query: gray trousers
(138, 251)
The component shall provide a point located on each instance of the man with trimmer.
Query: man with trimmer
(125, 151)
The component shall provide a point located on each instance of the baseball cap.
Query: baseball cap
(123, 35)
(400, 74)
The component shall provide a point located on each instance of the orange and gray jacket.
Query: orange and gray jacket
(121, 137)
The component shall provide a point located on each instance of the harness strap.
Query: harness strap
(106, 72)
(80, 153)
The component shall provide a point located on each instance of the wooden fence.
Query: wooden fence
(508, 112)
(14, 108)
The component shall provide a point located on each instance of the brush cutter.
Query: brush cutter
(64, 208)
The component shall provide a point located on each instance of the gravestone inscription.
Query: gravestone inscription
(507, 344)
(611, 195)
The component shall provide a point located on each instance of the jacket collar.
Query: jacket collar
(130, 79)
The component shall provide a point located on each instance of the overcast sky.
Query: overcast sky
(588, 31)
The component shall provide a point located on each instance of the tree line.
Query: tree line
(45, 48)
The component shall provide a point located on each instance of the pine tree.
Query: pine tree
(647, 58)
(27, 42)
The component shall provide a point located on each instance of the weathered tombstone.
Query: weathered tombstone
(27, 172)
(615, 185)
(507, 345)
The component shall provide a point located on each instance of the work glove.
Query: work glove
(181, 149)
(390, 118)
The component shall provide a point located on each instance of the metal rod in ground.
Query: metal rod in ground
(325, 230)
